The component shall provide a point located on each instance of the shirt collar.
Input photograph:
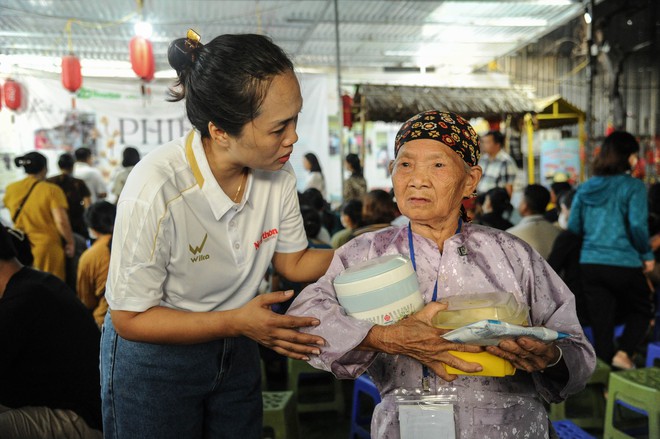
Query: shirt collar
(500, 154)
(531, 219)
(103, 240)
(218, 201)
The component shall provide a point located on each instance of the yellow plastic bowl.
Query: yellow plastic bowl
(492, 366)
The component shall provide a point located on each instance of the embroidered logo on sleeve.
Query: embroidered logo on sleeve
(196, 251)
(265, 236)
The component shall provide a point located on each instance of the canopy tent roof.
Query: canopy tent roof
(390, 103)
(555, 111)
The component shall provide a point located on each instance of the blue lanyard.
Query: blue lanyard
(412, 254)
(426, 386)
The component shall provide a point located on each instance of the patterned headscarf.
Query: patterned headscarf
(448, 128)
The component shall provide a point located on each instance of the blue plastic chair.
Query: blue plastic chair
(360, 424)
(567, 430)
(652, 352)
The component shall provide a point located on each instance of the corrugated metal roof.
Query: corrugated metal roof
(398, 103)
(373, 34)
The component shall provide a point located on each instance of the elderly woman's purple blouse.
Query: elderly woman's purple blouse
(487, 407)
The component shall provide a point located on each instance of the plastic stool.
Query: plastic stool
(310, 383)
(567, 430)
(280, 414)
(359, 423)
(639, 390)
(652, 352)
(586, 409)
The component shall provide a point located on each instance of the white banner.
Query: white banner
(112, 114)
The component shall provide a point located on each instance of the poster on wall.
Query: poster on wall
(560, 161)
(78, 129)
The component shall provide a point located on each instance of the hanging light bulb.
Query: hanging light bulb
(143, 29)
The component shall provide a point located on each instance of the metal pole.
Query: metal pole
(363, 123)
(583, 155)
(591, 73)
(529, 124)
(340, 113)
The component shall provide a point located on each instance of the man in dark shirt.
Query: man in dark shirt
(77, 194)
(79, 198)
(49, 344)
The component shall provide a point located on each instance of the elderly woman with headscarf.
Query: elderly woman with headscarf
(434, 169)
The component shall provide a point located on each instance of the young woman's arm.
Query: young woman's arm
(254, 320)
(307, 265)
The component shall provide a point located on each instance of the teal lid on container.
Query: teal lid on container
(374, 268)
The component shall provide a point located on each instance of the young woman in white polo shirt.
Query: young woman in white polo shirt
(198, 222)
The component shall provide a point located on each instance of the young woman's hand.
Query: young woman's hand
(275, 331)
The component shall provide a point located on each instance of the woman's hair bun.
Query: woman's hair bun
(179, 55)
(182, 53)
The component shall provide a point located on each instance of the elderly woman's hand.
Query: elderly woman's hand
(527, 353)
(417, 338)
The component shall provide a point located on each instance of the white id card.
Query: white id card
(427, 421)
(426, 414)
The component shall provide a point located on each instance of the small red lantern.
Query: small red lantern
(142, 58)
(13, 95)
(347, 107)
(71, 75)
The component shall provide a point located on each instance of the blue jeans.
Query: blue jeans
(205, 390)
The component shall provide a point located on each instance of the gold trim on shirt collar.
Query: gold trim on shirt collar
(190, 156)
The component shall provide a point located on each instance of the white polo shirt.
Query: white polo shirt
(92, 178)
(181, 242)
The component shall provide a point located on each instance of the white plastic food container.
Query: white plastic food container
(382, 290)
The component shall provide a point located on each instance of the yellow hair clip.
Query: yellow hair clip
(193, 38)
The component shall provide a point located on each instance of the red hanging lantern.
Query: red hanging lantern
(151, 73)
(12, 91)
(71, 74)
(347, 107)
(142, 58)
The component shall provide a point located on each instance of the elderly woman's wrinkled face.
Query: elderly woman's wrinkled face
(430, 181)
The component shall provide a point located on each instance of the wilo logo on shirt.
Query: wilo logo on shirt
(198, 249)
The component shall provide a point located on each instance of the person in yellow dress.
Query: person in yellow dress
(43, 216)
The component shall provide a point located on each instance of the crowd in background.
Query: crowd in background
(53, 268)
(611, 290)
(602, 237)
(67, 219)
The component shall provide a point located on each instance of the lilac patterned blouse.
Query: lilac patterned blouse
(509, 407)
